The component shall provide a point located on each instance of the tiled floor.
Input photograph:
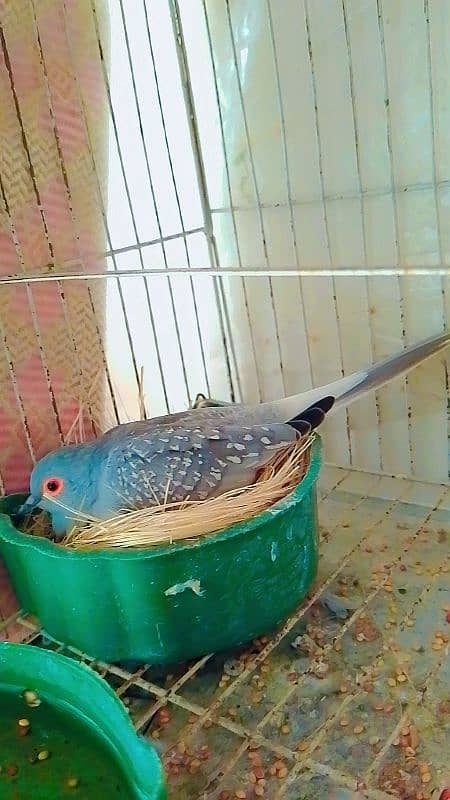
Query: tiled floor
(338, 704)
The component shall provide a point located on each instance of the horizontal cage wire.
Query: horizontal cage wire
(323, 703)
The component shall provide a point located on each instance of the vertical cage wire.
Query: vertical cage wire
(219, 295)
(76, 228)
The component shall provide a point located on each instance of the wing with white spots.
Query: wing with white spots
(176, 463)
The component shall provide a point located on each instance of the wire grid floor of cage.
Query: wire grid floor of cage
(348, 701)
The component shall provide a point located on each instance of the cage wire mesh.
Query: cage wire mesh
(244, 199)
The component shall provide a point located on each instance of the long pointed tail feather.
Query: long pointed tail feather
(347, 390)
(394, 367)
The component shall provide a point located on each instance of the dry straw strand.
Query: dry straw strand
(188, 520)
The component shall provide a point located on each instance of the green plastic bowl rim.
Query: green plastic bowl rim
(10, 534)
(137, 757)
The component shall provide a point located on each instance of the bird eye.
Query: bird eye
(53, 486)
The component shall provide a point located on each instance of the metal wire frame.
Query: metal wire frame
(207, 272)
(288, 179)
(221, 302)
(329, 197)
(179, 694)
(254, 179)
(322, 187)
(434, 186)
(229, 190)
(361, 200)
(392, 177)
(436, 183)
(130, 204)
(184, 233)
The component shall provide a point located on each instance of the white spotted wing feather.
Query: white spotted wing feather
(175, 462)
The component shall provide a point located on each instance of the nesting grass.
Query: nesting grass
(37, 524)
(189, 520)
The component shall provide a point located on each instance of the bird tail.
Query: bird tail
(347, 390)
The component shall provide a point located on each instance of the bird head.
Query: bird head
(61, 484)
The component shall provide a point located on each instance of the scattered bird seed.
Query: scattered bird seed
(72, 783)
(11, 770)
(31, 698)
(163, 716)
(23, 727)
(233, 667)
(43, 755)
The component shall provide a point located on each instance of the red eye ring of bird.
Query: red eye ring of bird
(52, 487)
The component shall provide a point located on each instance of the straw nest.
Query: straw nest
(190, 520)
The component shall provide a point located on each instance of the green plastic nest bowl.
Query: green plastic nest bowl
(168, 604)
(81, 723)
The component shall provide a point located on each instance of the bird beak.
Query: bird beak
(28, 506)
